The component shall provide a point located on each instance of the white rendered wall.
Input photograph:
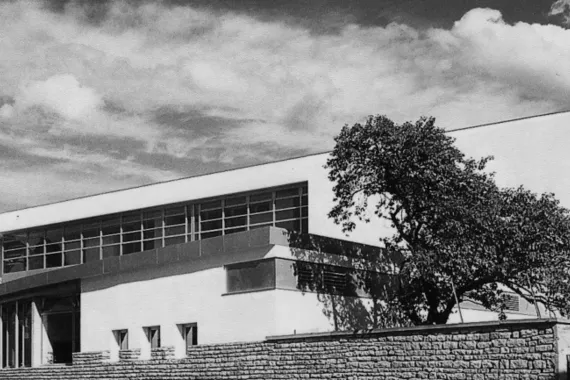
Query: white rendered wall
(299, 313)
(164, 297)
(302, 169)
(168, 301)
(532, 152)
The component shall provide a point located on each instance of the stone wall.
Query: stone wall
(514, 350)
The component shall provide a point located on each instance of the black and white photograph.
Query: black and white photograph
(285, 189)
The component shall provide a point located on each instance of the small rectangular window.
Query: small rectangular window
(260, 197)
(35, 262)
(153, 336)
(251, 276)
(190, 335)
(512, 302)
(111, 226)
(122, 338)
(286, 193)
(72, 233)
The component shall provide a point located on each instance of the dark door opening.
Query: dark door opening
(60, 318)
(59, 332)
(17, 334)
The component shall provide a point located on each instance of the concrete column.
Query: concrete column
(1, 335)
(17, 336)
(37, 330)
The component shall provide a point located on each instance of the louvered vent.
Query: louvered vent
(334, 280)
(512, 302)
(304, 275)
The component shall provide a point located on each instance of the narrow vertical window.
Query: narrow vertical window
(153, 336)
(122, 337)
(190, 335)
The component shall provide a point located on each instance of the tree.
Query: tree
(454, 227)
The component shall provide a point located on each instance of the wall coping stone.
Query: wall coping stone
(424, 328)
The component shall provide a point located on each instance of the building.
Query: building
(207, 259)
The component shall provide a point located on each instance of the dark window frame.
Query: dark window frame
(122, 338)
(247, 266)
(153, 336)
(91, 236)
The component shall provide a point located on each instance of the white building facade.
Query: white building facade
(205, 259)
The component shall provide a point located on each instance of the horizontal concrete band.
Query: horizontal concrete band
(258, 240)
(449, 328)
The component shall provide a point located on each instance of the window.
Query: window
(211, 219)
(324, 278)
(251, 276)
(16, 334)
(511, 302)
(132, 236)
(175, 225)
(90, 240)
(305, 276)
(122, 337)
(153, 336)
(335, 280)
(152, 229)
(190, 335)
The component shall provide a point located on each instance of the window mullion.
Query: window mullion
(27, 251)
(273, 206)
(186, 219)
(121, 231)
(247, 221)
(81, 243)
(163, 228)
(100, 241)
(199, 234)
(141, 231)
(192, 222)
(223, 204)
(45, 248)
(62, 247)
(2, 271)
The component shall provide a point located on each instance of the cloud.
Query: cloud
(6, 111)
(63, 94)
(188, 87)
(561, 8)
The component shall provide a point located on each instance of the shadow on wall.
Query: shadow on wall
(356, 284)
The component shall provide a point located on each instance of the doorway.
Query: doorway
(60, 319)
(17, 334)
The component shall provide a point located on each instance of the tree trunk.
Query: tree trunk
(436, 317)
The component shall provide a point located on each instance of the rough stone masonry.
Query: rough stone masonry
(524, 349)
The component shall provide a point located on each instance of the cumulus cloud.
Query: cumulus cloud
(63, 94)
(235, 89)
(6, 111)
(561, 8)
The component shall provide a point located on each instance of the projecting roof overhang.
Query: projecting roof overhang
(202, 254)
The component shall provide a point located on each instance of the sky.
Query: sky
(104, 95)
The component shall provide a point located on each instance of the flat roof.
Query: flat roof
(217, 183)
(272, 162)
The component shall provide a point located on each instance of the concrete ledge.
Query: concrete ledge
(238, 242)
(422, 329)
(131, 354)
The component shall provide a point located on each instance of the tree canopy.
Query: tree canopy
(455, 228)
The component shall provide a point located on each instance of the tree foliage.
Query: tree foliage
(453, 225)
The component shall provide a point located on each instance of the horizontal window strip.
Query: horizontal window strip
(138, 230)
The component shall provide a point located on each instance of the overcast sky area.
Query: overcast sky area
(98, 96)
